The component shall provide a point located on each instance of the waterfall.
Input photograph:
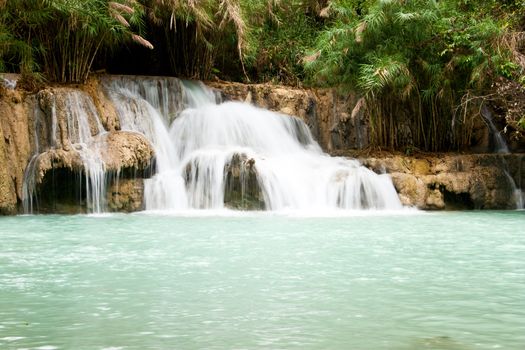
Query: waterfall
(82, 125)
(80, 107)
(201, 145)
(29, 184)
(500, 146)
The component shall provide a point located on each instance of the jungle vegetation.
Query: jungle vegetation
(423, 67)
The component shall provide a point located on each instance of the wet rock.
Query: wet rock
(59, 106)
(435, 200)
(126, 151)
(126, 195)
(242, 190)
(7, 189)
(15, 147)
(410, 188)
(121, 152)
(56, 176)
(453, 181)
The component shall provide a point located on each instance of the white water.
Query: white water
(29, 184)
(79, 107)
(80, 117)
(500, 146)
(193, 151)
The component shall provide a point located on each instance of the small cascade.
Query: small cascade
(147, 106)
(82, 124)
(204, 149)
(518, 193)
(29, 184)
(80, 109)
(500, 146)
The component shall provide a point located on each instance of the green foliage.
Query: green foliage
(280, 40)
(414, 60)
(521, 123)
(419, 63)
(65, 36)
(188, 33)
(13, 51)
(253, 40)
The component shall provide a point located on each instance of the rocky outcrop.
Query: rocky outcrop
(126, 195)
(449, 182)
(124, 151)
(44, 131)
(15, 146)
(242, 190)
(120, 151)
(241, 187)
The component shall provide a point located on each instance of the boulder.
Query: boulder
(126, 195)
(242, 190)
(435, 182)
(121, 152)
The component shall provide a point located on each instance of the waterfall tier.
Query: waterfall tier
(205, 150)
(77, 161)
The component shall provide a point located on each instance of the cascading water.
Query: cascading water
(82, 122)
(500, 146)
(79, 107)
(29, 184)
(196, 152)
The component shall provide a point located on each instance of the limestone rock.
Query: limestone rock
(412, 190)
(15, 146)
(435, 200)
(242, 190)
(453, 181)
(125, 150)
(120, 151)
(126, 195)
(59, 104)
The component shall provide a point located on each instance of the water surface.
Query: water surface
(263, 281)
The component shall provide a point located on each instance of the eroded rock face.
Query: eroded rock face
(58, 173)
(121, 152)
(126, 151)
(429, 182)
(44, 131)
(126, 195)
(15, 146)
(454, 181)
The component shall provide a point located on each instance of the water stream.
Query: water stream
(197, 141)
(500, 146)
(82, 125)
